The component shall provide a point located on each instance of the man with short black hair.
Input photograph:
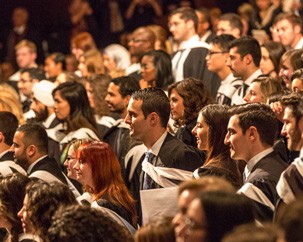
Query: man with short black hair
(251, 134)
(291, 119)
(8, 126)
(148, 113)
(30, 146)
(290, 185)
(28, 78)
(216, 59)
(118, 95)
(204, 25)
(244, 60)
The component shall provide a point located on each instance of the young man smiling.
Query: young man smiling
(251, 135)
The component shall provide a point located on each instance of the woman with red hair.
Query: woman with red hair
(99, 171)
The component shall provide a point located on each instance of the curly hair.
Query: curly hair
(12, 192)
(43, 200)
(195, 96)
(94, 225)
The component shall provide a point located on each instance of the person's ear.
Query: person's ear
(248, 59)
(126, 100)
(252, 133)
(154, 119)
(297, 29)
(31, 150)
(300, 126)
(2, 138)
(190, 24)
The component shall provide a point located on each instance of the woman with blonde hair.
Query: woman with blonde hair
(9, 101)
(161, 43)
(261, 88)
(91, 62)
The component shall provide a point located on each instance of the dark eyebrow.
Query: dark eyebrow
(231, 130)
(131, 112)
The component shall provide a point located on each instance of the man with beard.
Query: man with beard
(43, 106)
(290, 61)
(290, 185)
(118, 95)
(291, 120)
(30, 146)
(29, 77)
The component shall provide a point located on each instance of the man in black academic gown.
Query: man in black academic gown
(147, 116)
(189, 58)
(30, 145)
(251, 134)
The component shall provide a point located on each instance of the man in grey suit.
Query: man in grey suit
(251, 134)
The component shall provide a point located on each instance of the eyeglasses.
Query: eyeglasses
(209, 53)
(138, 40)
(190, 224)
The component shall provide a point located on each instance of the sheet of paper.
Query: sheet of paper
(158, 202)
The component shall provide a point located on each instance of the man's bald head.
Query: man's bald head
(142, 40)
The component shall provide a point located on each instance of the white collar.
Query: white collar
(205, 36)
(253, 76)
(228, 79)
(158, 144)
(299, 45)
(20, 30)
(49, 120)
(34, 163)
(193, 42)
(254, 160)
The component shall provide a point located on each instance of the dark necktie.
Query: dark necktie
(242, 90)
(147, 182)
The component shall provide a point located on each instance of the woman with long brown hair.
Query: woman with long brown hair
(73, 109)
(12, 192)
(98, 170)
(210, 132)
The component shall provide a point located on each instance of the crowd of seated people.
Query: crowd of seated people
(190, 130)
